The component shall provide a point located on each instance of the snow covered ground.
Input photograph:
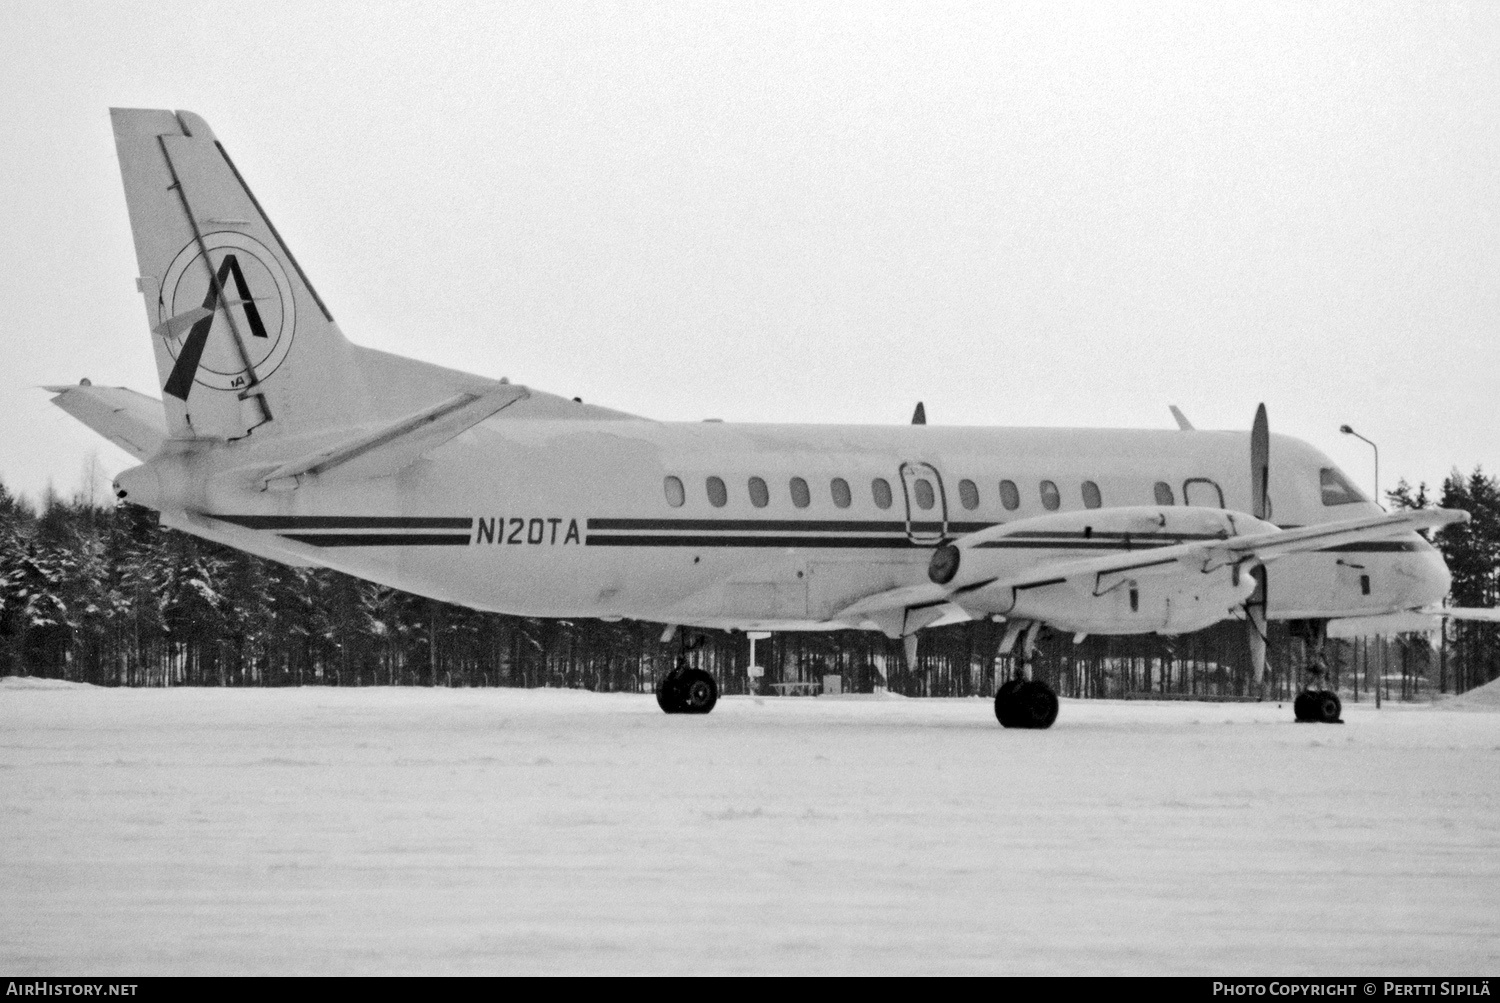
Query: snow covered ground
(474, 831)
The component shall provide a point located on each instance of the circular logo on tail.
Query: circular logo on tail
(240, 288)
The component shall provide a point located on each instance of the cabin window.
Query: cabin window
(881, 489)
(1050, 498)
(1336, 488)
(1091, 496)
(1010, 495)
(840, 489)
(675, 495)
(718, 494)
(801, 497)
(968, 494)
(923, 490)
(760, 495)
(1164, 494)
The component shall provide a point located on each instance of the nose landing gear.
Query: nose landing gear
(1024, 702)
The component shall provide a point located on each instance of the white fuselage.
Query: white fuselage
(581, 518)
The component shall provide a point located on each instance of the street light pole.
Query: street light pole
(1381, 668)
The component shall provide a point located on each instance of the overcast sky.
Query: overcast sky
(1020, 214)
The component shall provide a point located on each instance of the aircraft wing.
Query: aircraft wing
(134, 422)
(1197, 556)
(1480, 613)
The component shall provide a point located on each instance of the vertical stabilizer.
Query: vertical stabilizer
(243, 343)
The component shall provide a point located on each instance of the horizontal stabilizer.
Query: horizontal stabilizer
(134, 422)
(389, 449)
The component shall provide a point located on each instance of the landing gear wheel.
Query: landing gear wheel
(697, 692)
(687, 691)
(669, 693)
(1026, 703)
(1328, 707)
(1005, 699)
(1312, 706)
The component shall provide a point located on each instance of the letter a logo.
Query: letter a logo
(242, 288)
(181, 380)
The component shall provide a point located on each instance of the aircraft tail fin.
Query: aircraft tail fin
(243, 342)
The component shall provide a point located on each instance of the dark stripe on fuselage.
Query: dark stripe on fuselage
(701, 541)
(783, 525)
(347, 521)
(778, 542)
(727, 533)
(380, 539)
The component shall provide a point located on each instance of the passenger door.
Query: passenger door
(1202, 492)
(926, 504)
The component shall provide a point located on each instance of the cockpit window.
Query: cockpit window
(1336, 488)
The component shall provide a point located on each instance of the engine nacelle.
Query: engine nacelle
(1173, 597)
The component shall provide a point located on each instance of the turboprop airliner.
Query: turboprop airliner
(276, 435)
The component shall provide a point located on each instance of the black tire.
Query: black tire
(669, 693)
(1303, 708)
(698, 693)
(1328, 706)
(1036, 705)
(1005, 702)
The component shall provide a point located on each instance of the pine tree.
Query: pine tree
(1472, 552)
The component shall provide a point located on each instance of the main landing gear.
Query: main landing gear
(1314, 705)
(1318, 705)
(1024, 702)
(686, 690)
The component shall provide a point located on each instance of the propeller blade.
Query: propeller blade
(1257, 646)
(1260, 507)
(1260, 465)
(1255, 624)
